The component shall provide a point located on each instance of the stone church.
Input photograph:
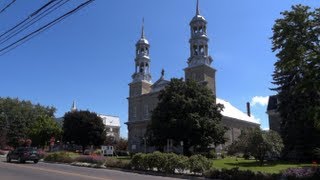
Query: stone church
(143, 94)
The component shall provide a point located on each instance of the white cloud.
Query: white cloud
(266, 129)
(256, 119)
(263, 101)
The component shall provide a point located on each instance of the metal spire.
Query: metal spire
(74, 107)
(142, 30)
(197, 11)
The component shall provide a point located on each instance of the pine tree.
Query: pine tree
(296, 76)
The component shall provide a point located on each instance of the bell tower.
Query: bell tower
(141, 78)
(199, 63)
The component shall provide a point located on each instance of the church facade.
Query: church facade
(143, 94)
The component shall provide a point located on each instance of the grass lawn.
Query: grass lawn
(253, 165)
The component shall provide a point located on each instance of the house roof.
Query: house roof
(233, 112)
(110, 120)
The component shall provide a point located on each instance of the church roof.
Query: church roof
(233, 112)
(110, 120)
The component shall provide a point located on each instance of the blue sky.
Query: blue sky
(89, 57)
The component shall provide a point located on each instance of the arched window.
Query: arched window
(195, 50)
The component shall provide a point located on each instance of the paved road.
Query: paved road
(45, 171)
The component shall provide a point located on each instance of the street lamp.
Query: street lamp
(181, 143)
(145, 144)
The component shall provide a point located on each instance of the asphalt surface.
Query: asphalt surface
(48, 171)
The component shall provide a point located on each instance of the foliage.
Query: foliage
(302, 173)
(93, 159)
(296, 76)
(316, 153)
(199, 164)
(253, 165)
(122, 144)
(17, 117)
(138, 162)
(237, 174)
(63, 157)
(259, 144)
(43, 129)
(83, 128)
(117, 163)
(169, 162)
(186, 112)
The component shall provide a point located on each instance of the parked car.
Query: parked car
(23, 154)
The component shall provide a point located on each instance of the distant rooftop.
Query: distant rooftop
(233, 112)
(110, 120)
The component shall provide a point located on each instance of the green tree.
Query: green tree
(43, 129)
(186, 112)
(122, 144)
(17, 116)
(83, 128)
(259, 144)
(297, 79)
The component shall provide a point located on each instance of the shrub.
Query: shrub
(237, 174)
(59, 157)
(41, 153)
(198, 163)
(156, 160)
(99, 160)
(117, 163)
(97, 152)
(302, 173)
(139, 162)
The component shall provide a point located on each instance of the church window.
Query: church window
(200, 29)
(195, 30)
(201, 50)
(194, 76)
(146, 111)
(134, 112)
(195, 50)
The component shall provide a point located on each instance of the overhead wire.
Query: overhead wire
(33, 21)
(43, 28)
(7, 6)
(29, 17)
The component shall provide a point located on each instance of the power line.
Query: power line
(29, 17)
(43, 28)
(7, 6)
(37, 18)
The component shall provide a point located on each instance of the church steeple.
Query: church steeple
(142, 60)
(73, 107)
(199, 41)
(199, 63)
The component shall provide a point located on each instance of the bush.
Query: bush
(41, 153)
(156, 160)
(117, 163)
(237, 174)
(58, 157)
(302, 173)
(139, 162)
(198, 163)
(99, 160)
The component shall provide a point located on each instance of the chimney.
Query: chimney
(248, 109)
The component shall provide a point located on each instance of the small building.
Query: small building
(112, 124)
